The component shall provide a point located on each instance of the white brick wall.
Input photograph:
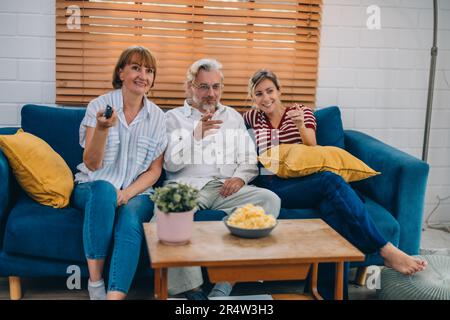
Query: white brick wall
(379, 78)
(27, 56)
(370, 74)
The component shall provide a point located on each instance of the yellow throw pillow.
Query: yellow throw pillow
(41, 172)
(298, 160)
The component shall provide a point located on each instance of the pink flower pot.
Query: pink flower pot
(174, 228)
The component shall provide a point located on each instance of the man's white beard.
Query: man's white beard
(209, 107)
(204, 106)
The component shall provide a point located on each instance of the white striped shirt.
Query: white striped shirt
(130, 149)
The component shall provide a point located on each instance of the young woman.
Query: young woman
(122, 159)
(339, 205)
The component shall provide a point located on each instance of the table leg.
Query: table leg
(163, 288)
(339, 281)
(157, 283)
(161, 284)
(314, 291)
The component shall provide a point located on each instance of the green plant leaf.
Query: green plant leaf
(175, 197)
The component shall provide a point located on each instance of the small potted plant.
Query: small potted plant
(175, 207)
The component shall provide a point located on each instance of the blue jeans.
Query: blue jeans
(104, 221)
(339, 206)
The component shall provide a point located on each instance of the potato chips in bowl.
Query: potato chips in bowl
(250, 221)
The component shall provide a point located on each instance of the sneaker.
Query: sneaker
(97, 290)
(221, 289)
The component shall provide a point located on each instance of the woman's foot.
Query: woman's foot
(398, 260)
(115, 295)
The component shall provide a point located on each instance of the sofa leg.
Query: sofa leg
(361, 275)
(15, 289)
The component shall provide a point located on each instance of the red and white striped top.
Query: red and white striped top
(287, 132)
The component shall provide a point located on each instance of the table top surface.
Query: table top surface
(292, 241)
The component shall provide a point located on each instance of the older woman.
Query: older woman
(339, 205)
(122, 159)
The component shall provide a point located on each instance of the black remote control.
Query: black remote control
(108, 111)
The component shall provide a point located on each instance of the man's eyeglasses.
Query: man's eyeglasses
(206, 87)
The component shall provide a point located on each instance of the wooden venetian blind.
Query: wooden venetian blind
(244, 35)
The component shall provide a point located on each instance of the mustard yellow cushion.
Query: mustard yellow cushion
(40, 171)
(298, 160)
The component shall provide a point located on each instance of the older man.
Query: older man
(210, 148)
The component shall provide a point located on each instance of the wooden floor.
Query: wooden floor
(56, 289)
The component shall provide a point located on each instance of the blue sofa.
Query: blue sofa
(39, 241)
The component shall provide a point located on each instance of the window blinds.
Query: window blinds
(244, 35)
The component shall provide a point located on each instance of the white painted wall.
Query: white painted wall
(27, 56)
(379, 78)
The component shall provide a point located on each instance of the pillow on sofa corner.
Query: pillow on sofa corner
(40, 171)
(330, 131)
(298, 160)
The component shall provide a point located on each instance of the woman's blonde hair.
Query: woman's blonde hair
(138, 54)
(259, 76)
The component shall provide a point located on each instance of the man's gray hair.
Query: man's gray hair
(203, 64)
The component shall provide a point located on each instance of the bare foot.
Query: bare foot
(398, 260)
(115, 295)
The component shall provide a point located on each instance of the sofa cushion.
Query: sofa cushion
(41, 231)
(299, 160)
(209, 215)
(59, 127)
(330, 131)
(39, 170)
(28, 266)
(309, 213)
(8, 130)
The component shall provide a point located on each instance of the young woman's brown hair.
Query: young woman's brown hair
(134, 54)
(259, 76)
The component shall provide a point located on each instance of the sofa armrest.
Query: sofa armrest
(5, 192)
(400, 188)
(6, 185)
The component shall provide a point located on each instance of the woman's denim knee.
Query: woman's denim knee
(98, 200)
(129, 223)
(328, 177)
(104, 189)
(137, 211)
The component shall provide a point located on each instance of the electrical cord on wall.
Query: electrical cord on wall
(441, 225)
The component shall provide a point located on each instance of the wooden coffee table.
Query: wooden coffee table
(288, 253)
